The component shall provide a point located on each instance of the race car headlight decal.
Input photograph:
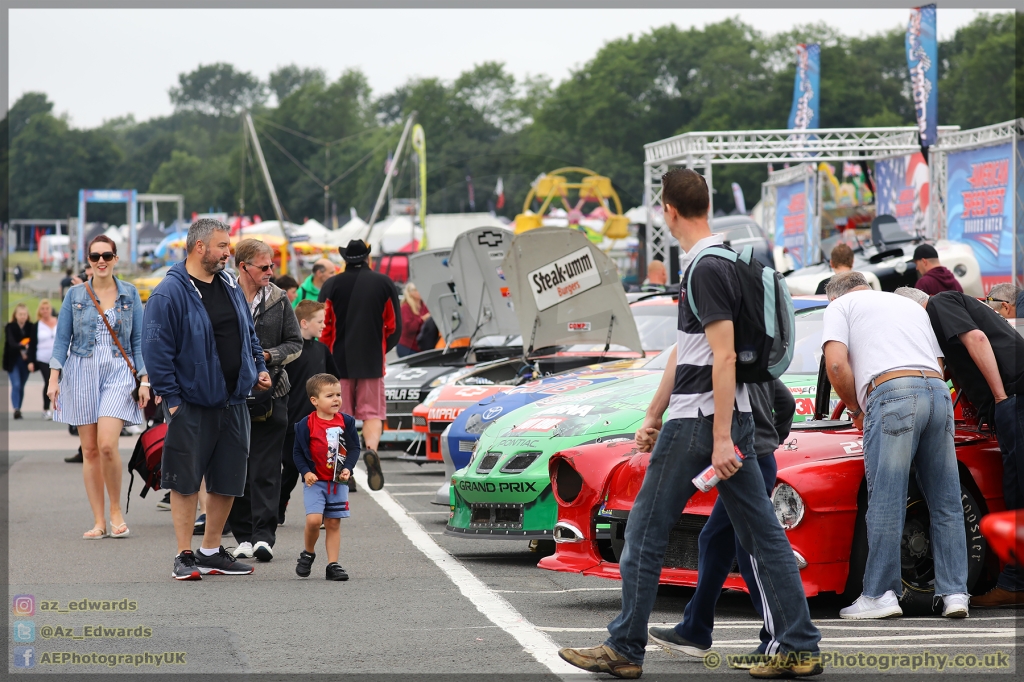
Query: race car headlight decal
(419, 421)
(789, 506)
(488, 462)
(438, 382)
(475, 425)
(432, 396)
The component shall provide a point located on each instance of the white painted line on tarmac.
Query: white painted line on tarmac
(412, 485)
(493, 606)
(748, 643)
(429, 512)
(429, 492)
(574, 589)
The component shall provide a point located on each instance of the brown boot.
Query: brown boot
(601, 659)
(788, 665)
(997, 597)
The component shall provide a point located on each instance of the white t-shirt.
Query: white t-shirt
(883, 332)
(44, 343)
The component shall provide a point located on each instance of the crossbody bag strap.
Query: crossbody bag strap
(110, 329)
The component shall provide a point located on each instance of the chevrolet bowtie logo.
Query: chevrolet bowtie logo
(489, 238)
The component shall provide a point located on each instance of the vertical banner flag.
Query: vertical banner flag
(902, 183)
(923, 62)
(737, 195)
(980, 208)
(1018, 228)
(804, 113)
(470, 193)
(793, 220)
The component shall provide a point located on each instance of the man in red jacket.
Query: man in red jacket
(932, 277)
(362, 324)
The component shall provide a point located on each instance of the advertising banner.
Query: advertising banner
(980, 206)
(805, 110)
(794, 221)
(923, 62)
(1018, 228)
(566, 277)
(902, 183)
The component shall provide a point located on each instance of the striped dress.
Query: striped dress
(97, 386)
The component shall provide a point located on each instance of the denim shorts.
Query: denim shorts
(332, 502)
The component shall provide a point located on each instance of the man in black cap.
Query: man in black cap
(932, 277)
(362, 324)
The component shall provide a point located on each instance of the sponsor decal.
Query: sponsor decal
(505, 293)
(492, 412)
(566, 277)
(444, 413)
(496, 255)
(540, 424)
(517, 443)
(570, 410)
(579, 326)
(805, 406)
(803, 390)
(559, 399)
(488, 487)
(401, 394)
(537, 386)
(412, 374)
(472, 391)
(491, 238)
(501, 273)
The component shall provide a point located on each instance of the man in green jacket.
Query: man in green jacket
(310, 289)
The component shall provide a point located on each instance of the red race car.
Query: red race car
(820, 498)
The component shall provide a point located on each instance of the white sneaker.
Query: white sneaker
(955, 606)
(262, 551)
(47, 415)
(886, 606)
(243, 551)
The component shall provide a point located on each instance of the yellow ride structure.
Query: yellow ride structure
(590, 188)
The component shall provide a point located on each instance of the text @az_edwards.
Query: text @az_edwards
(95, 632)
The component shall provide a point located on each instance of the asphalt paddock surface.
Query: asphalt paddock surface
(419, 604)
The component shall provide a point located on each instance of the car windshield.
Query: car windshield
(656, 325)
(807, 349)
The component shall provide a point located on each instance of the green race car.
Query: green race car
(505, 490)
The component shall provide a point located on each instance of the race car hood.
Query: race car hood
(484, 306)
(430, 271)
(567, 291)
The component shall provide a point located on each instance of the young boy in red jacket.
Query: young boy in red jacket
(326, 451)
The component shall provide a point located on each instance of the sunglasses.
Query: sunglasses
(261, 268)
(989, 299)
(106, 255)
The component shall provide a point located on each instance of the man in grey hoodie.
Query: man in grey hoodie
(253, 517)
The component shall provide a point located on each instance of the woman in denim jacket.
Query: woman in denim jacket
(92, 388)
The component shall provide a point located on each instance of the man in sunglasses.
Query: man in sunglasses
(253, 517)
(1006, 299)
(983, 355)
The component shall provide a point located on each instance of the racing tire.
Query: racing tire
(918, 571)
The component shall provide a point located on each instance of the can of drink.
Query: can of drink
(708, 479)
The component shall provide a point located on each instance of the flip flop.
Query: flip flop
(123, 534)
(95, 534)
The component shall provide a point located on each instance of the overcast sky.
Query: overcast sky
(101, 64)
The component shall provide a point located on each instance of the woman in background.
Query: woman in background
(19, 353)
(414, 314)
(46, 332)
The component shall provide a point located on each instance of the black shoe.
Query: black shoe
(200, 525)
(352, 485)
(185, 567)
(668, 637)
(17, 414)
(165, 502)
(73, 430)
(221, 563)
(305, 563)
(280, 519)
(335, 572)
(374, 475)
(77, 457)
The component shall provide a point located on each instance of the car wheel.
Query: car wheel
(917, 564)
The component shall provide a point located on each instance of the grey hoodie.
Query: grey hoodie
(773, 407)
(278, 332)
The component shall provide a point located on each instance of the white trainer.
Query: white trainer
(243, 551)
(886, 606)
(262, 551)
(956, 606)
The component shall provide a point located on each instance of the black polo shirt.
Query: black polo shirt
(953, 313)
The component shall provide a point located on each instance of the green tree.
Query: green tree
(287, 79)
(217, 89)
(976, 80)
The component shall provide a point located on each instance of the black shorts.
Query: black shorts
(210, 442)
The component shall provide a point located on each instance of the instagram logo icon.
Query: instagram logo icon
(23, 605)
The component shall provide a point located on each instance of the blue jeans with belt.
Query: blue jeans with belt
(718, 546)
(910, 421)
(1009, 423)
(682, 451)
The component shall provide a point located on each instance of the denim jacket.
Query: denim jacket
(76, 325)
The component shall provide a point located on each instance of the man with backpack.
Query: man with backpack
(709, 423)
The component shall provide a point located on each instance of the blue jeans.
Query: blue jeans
(910, 420)
(1009, 423)
(682, 451)
(718, 546)
(19, 375)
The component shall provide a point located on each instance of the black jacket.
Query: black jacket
(315, 359)
(13, 334)
(773, 406)
(363, 321)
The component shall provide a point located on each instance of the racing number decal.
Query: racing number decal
(855, 447)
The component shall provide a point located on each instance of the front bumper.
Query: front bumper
(497, 519)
